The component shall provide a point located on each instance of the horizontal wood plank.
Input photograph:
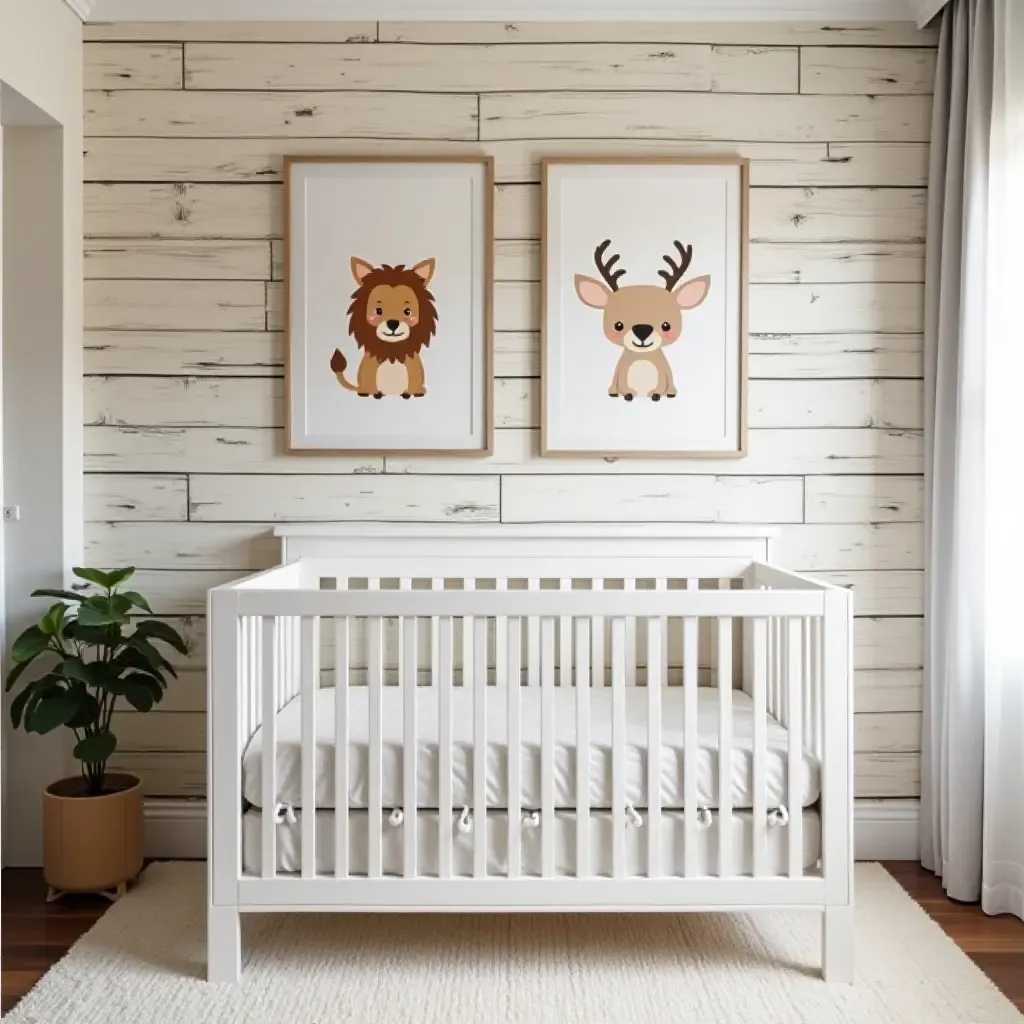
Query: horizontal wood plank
(240, 548)
(234, 31)
(179, 592)
(478, 68)
(881, 591)
(887, 776)
(891, 404)
(770, 33)
(890, 732)
(836, 308)
(874, 71)
(877, 690)
(864, 499)
(124, 497)
(150, 211)
(703, 116)
(888, 643)
(210, 450)
(243, 161)
(175, 305)
(622, 498)
(793, 356)
(818, 546)
(170, 259)
(836, 262)
(132, 65)
(837, 215)
(193, 114)
(184, 353)
(367, 498)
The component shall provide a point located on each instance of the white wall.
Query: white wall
(41, 70)
(186, 126)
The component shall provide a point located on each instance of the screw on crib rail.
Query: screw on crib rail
(396, 817)
(465, 822)
(531, 819)
(779, 817)
(633, 816)
(704, 818)
(284, 812)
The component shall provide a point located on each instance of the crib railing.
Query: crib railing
(267, 643)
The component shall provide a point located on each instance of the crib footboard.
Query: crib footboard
(436, 727)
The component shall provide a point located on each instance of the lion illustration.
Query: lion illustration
(392, 317)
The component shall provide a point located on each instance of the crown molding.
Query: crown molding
(83, 8)
(500, 10)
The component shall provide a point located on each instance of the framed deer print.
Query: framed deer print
(388, 295)
(644, 269)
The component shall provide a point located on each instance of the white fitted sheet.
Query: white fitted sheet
(289, 845)
(289, 750)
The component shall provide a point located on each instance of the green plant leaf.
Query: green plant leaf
(18, 706)
(66, 595)
(29, 645)
(137, 600)
(153, 657)
(97, 748)
(53, 710)
(53, 620)
(15, 674)
(97, 576)
(99, 611)
(76, 669)
(137, 693)
(88, 712)
(154, 629)
(92, 635)
(119, 576)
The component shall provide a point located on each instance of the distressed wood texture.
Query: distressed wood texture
(683, 68)
(187, 125)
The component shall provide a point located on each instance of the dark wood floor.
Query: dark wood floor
(37, 934)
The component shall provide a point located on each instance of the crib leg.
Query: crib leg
(224, 944)
(837, 944)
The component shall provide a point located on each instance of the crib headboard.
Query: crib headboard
(566, 551)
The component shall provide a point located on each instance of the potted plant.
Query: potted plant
(88, 654)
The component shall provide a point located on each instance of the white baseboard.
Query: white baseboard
(883, 829)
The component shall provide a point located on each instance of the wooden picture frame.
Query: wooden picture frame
(415, 233)
(696, 408)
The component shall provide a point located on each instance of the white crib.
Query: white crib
(365, 695)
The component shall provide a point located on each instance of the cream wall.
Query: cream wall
(186, 126)
(41, 60)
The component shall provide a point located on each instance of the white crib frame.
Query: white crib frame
(818, 707)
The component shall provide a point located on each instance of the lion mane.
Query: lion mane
(364, 333)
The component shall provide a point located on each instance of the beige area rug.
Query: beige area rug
(144, 961)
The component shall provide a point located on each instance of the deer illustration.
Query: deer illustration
(642, 319)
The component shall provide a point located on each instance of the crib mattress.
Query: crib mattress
(289, 751)
(289, 845)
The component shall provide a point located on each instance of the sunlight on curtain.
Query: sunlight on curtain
(1003, 854)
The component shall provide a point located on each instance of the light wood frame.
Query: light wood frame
(487, 162)
(743, 164)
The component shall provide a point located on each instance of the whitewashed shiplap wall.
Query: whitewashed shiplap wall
(186, 125)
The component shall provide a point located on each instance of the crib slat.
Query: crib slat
(725, 695)
(479, 683)
(444, 726)
(582, 748)
(794, 795)
(435, 668)
(547, 742)
(513, 653)
(310, 683)
(597, 640)
(533, 642)
(654, 693)
(341, 684)
(268, 678)
(630, 585)
(500, 642)
(565, 642)
(375, 672)
(618, 748)
(243, 682)
(410, 746)
(760, 798)
(691, 741)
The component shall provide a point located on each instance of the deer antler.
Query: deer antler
(610, 276)
(676, 271)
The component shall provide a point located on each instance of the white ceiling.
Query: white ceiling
(505, 10)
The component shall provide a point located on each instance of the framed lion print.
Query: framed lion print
(388, 292)
(644, 267)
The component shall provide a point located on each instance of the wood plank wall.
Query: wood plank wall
(186, 125)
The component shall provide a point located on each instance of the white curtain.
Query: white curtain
(973, 772)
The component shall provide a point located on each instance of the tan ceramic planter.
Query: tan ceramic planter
(92, 843)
